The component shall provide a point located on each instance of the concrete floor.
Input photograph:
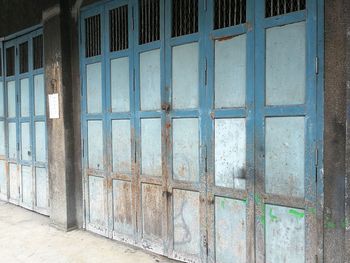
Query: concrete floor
(27, 237)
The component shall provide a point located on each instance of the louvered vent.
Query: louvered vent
(93, 36)
(118, 28)
(281, 7)
(38, 52)
(229, 13)
(23, 57)
(149, 29)
(10, 61)
(184, 17)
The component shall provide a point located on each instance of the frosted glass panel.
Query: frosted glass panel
(25, 139)
(150, 80)
(39, 98)
(286, 64)
(94, 88)
(11, 99)
(121, 146)
(3, 180)
(25, 97)
(285, 147)
(285, 234)
(12, 143)
(186, 149)
(151, 147)
(185, 76)
(40, 141)
(2, 138)
(95, 144)
(2, 102)
(120, 84)
(230, 72)
(230, 153)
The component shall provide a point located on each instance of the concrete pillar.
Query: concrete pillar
(60, 131)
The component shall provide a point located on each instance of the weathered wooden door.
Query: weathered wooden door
(24, 174)
(199, 127)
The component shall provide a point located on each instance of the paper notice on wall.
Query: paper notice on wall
(54, 111)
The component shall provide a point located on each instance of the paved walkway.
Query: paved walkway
(27, 237)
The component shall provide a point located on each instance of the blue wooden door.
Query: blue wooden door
(25, 169)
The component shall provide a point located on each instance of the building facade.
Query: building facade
(205, 131)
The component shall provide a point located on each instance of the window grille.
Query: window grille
(10, 61)
(184, 17)
(281, 7)
(38, 52)
(23, 57)
(93, 36)
(229, 13)
(118, 28)
(149, 29)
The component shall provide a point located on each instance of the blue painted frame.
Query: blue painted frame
(14, 41)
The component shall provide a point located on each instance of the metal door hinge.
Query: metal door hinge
(316, 65)
(206, 71)
(205, 155)
(316, 157)
(83, 147)
(135, 153)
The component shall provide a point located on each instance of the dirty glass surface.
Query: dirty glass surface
(25, 138)
(151, 147)
(25, 97)
(185, 76)
(286, 64)
(12, 142)
(230, 72)
(150, 80)
(186, 149)
(41, 183)
(230, 153)
(121, 145)
(39, 92)
(285, 234)
(96, 202)
(95, 144)
(122, 207)
(27, 185)
(94, 88)
(285, 154)
(120, 92)
(11, 99)
(40, 141)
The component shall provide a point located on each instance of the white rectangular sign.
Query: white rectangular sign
(54, 110)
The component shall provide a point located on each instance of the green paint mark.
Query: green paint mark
(295, 213)
(245, 200)
(223, 204)
(273, 218)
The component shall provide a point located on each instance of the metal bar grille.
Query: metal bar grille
(184, 17)
(229, 13)
(38, 52)
(93, 36)
(10, 61)
(149, 29)
(23, 57)
(118, 28)
(281, 7)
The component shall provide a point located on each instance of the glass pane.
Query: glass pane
(186, 222)
(94, 88)
(230, 229)
(95, 144)
(121, 146)
(230, 72)
(286, 64)
(2, 138)
(186, 149)
(3, 179)
(41, 187)
(285, 234)
(39, 98)
(150, 80)
(12, 140)
(2, 102)
(25, 138)
(185, 76)
(40, 141)
(25, 97)
(285, 147)
(120, 85)
(11, 99)
(151, 147)
(230, 153)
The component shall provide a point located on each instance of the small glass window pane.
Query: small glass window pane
(40, 141)
(95, 144)
(25, 97)
(12, 133)
(285, 154)
(94, 88)
(2, 138)
(186, 150)
(2, 102)
(25, 138)
(39, 91)
(150, 80)
(230, 72)
(151, 147)
(11, 99)
(286, 64)
(185, 76)
(120, 85)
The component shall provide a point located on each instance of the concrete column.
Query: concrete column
(60, 131)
